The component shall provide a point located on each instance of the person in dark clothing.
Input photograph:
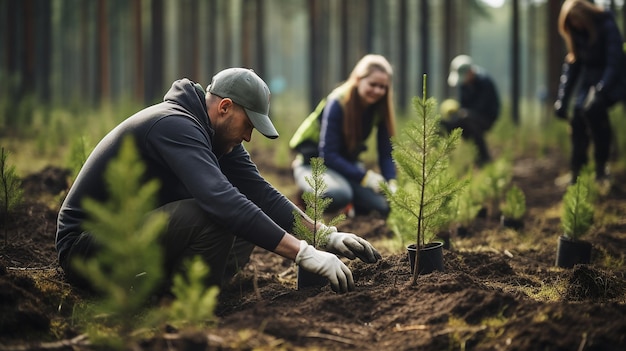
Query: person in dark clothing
(219, 205)
(479, 104)
(595, 62)
(338, 134)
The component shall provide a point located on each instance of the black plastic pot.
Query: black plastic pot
(512, 223)
(571, 252)
(307, 279)
(430, 257)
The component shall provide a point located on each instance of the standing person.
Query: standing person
(337, 131)
(595, 61)
(479, 104)
(211, 190)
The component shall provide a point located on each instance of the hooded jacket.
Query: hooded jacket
(175, 141)
(481, 98)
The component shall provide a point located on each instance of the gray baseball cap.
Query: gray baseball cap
(248, 90)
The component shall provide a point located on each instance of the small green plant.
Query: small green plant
(578, 209)
(514, 206)
(194, 304)
(427, 190)
(127, 268)
(467, 208)
(10, 190)
(315, 207)
(494, 179)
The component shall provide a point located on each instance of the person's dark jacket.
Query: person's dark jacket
(480, 98)
(174, 139)
(332, 146)
(601, 64)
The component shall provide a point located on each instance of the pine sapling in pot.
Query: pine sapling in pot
(514, 208)
(576, 221)
(315, 204)
(577, 216)
(426, 190)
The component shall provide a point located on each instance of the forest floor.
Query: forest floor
(500, 289)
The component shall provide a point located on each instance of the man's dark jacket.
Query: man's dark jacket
(174, 139)
(481, 99)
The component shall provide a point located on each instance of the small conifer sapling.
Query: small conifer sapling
(127, 267)
(427, 189)
(514, 206)
(315, 204)
(578, 210)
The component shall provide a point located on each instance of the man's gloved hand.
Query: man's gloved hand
(372, 180)
(560, 110)
(352, 246)
(327, 265)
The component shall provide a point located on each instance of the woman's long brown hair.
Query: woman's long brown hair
(583, 12)
(353, 107)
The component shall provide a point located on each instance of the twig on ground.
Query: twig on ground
(330, 337)
(79, 340)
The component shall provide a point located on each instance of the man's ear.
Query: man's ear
(225, 105)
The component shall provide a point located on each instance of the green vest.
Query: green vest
(306, 138)
(309, 130)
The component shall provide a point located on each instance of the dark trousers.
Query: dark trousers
(190, 233)
(591, 126)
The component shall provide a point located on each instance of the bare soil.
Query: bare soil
(500, 289)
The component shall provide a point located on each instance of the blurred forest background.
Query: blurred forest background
(75, 54)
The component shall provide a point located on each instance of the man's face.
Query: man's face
(232, 127)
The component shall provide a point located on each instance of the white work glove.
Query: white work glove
(372, 180)
(327, 265)
(393, 185)
(352, 246)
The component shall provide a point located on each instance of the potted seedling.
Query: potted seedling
(513, 209)
(576, 220)
(427, 189)
(315, 205)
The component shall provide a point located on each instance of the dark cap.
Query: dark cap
(248, 90)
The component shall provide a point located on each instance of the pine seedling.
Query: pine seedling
(514, 206)
(128, 266)
(10, 190)
(427, 189)
(466, 208)
(578, 208)
(496, 177)
(195, 303)
(315, 207)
